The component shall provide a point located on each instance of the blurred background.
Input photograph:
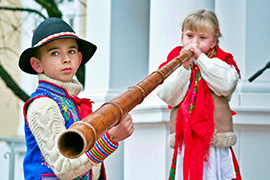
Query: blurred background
(133, 39)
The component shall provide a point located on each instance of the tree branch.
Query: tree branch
(13, 85)
(51, 8)
(22, 9)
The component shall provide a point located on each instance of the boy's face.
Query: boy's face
(60, 59)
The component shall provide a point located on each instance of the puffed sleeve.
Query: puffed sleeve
(175, 87)
(221, 77)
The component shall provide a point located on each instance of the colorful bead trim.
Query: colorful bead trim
(102, 149)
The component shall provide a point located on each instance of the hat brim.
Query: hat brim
(86, 48)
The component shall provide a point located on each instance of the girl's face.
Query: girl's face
(60, 59)
(204, 39)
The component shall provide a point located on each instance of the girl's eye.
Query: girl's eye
(72, 51)
(202, 37)
(55, 53)
(189, 35)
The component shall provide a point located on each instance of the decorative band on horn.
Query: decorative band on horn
(162, 76)
(120, 109)
(90, 126)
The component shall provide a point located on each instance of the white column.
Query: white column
(98, 70)
(98, 32)
(120, 29)
(245, 34)
(146, 152)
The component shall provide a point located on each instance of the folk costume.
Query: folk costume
(201, 143)
(52, 108)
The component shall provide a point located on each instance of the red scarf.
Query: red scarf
(84, 105)
(196, 126)
(195, 120)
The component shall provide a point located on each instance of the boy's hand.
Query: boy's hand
(122, 130)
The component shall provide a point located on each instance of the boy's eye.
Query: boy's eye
(72, 51)
(55, 53)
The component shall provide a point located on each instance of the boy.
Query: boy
(56, 54)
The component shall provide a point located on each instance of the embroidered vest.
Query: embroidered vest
(35, 166)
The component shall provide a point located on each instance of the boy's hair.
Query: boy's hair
(37, 54)
(202, 20)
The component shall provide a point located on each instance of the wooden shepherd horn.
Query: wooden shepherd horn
(82, 135)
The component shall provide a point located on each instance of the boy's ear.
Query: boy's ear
(35, 63)
(80, 58)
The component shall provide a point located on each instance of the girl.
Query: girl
(198, 92)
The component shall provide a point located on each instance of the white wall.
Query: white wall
(247, 38)
(244, 25)
(145, 155)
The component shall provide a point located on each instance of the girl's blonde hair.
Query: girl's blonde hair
(202, 20)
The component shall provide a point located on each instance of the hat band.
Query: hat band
(46, 39)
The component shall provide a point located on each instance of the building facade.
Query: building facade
(134, 38)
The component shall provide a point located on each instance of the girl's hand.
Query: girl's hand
(196, 53)
(186, 64)
(196, 50)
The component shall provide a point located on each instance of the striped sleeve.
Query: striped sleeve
(102, 149)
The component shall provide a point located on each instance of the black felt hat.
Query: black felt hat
(50, 30)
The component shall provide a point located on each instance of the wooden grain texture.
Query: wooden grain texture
(82, 135)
